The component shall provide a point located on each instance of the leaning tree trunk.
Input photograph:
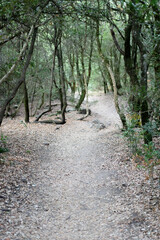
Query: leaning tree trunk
(81, 99)
(84, 80)
(116, 103)
(106, 61)
(22, 78)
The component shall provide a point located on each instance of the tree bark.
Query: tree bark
(105, 84)
(52, 78)
(117, 64)
(26, 104)
(104, 58)
(5, 78)
(22, 78)
(62, 82)
(145, 116)
(131, 68)
(72, 82)
(83, 78)
(156, 53)
(121, 115)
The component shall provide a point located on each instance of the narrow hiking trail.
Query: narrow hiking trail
(82, 186)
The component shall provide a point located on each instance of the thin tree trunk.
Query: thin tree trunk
(18, 108)
(22, 78)
(143, 83)
(62, 82)
(81, 81)
(32, 98)
(117, 64)
(42, 100)
(5, 78)
(87, 103)
(83, 78)
(156, 53)
(106, 61)
(130, 59)
(156, 56)
(105, 84)
(52, 78)
(72, 82)
(81, 99)
(121, 115)
(26, 104)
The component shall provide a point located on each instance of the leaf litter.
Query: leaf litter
(75, 182)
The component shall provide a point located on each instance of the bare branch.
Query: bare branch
(116, 42)
(10, 38)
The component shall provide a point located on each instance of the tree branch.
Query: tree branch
(116, 42)
(6, 76)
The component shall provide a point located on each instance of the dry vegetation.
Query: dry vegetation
(75, 181)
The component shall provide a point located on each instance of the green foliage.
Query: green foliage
(134, 137)
(3, 139)
(3, 142)
(2, 149)
(145, 155)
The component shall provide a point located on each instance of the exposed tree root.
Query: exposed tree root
(87, 112)
(85, 116)
(50, 122)
(41, 114)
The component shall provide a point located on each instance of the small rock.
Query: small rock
(24, 180)
(46, 143)
(97, 124)
(124, 185)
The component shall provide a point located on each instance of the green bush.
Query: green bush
(3, 143)
(145, 155)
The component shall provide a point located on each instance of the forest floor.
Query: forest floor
(75, 181)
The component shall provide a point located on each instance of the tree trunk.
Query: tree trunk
(52, 78)
(156, 53)
(81, 99)
(131, 68)
(145, 116)
(82, 76)
(121, 115)
(22, 78)
(72, 82)
(105, 84)
(26, 105)
(117, 64)
(32, 98)
(7, 75)
(62, 83)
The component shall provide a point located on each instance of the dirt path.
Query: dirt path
(82, 187)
